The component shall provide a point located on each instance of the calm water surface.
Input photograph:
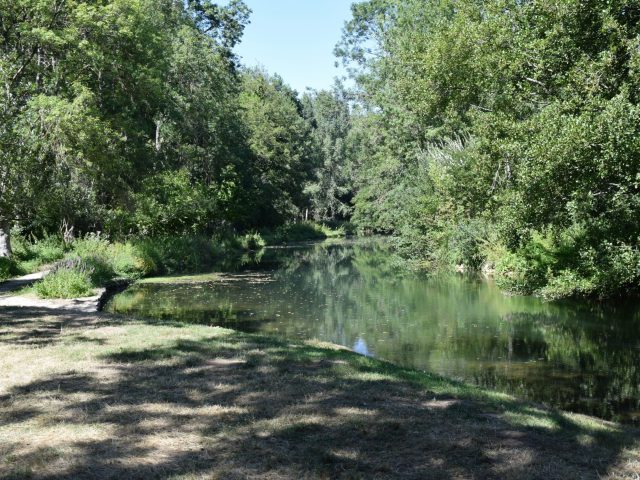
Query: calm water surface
(577, 356)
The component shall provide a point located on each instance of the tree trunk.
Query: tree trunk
(5, 241)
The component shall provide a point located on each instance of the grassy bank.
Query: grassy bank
(95, 396)
(87, 263)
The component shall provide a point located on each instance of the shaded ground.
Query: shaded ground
(95, 396)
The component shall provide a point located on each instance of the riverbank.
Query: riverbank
(97, 396)
(75, 268)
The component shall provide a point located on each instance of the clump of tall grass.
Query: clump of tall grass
(127, 260)
(68, 279)
(252, 241)
(170, 255)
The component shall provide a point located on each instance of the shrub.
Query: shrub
(570, 264)
(49, 249)
(8, 268)
(93, 267)
(64, 283)
(93, 244)
(567, 283)
(298, 232)
(114, 259)
(251, 241)
(31, 255)
(131, 261)
(527, 270)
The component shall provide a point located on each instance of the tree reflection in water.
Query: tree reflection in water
(575, 355)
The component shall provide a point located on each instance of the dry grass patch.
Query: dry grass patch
(97, 396)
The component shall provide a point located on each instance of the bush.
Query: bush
(94, 267)
(114, 259)
(298, 232)
(93, 244)
(170, 255)
(64, 283)
(570, 264)
(251, 241)
(8, 268)
(31, 255)
(528, 269)
(131, 261)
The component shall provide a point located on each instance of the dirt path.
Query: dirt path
(84, 305)
(20, 282)
(9, 299)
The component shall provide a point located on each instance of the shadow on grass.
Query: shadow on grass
(210, 404)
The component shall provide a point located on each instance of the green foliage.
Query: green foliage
(129, 260)
(171, 255)
(303, 231)
(280, 141)
(30, 254)
(134, 118)
(8, 268)
(331, 191)
(556, 266)
(94, 260)
(98, 114)
(171, 203)
(252, 241)
(64, 283)
(502, 128)
(47, 249)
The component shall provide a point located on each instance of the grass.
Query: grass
(98, 396)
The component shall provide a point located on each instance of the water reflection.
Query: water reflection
(578, 356)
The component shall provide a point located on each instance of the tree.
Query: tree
(532, 92)
(331, 190)
(280, 142)
(99, 96)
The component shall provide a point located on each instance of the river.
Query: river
(579, 356)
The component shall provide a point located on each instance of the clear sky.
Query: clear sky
(295, 38)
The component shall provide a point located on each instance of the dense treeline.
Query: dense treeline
(499, 135)
(134, 117)
(503, 134)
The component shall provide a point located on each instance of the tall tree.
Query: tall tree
(280, 140)
(99, 96)
(332, 188)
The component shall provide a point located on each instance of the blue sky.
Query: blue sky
(295, 38)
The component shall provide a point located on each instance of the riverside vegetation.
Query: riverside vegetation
(76, 268)
(497, 134)
(135, 120)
